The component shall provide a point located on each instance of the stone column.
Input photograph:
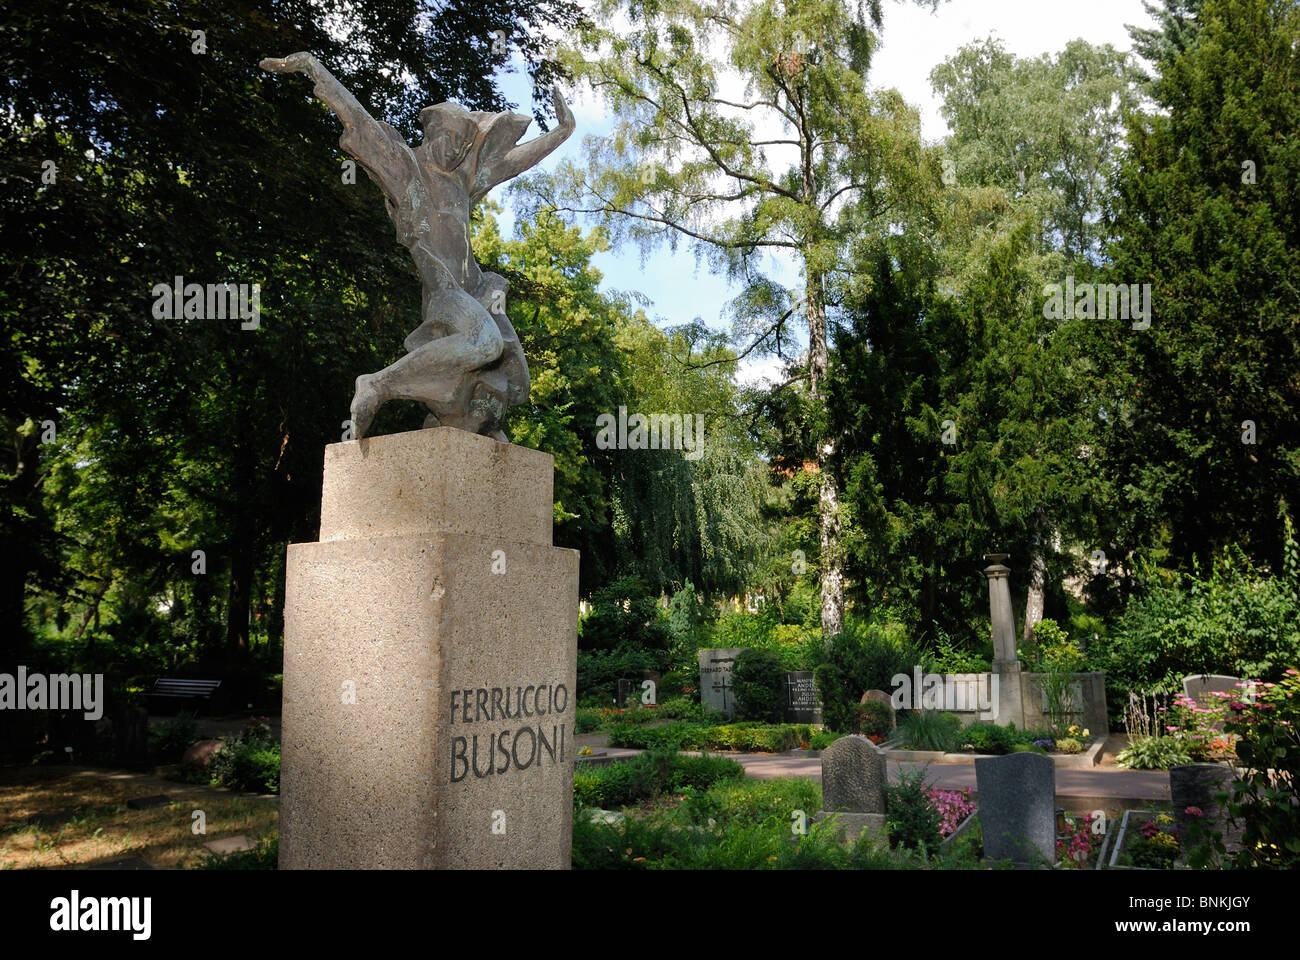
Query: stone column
(1006, 664)
(429, 662)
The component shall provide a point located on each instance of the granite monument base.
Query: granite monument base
(429, 663)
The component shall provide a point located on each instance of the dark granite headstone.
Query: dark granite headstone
(1194, 785)
(1017, 808)
(802, 704)
(625, 690)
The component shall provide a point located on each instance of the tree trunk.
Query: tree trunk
(1037, 576)
(241, 555)
(16, 534)
(828, 509)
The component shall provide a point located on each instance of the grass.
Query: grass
(82, 819)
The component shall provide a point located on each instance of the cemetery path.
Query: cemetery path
(1102, 783)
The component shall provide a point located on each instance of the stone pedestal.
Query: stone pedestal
(429, 662)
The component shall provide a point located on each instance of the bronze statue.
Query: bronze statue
(464, 361)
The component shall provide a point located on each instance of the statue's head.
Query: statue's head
(449, 133)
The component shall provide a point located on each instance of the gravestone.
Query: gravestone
(430, 651)
(853, 787)
(717, 670)
(802, 704)
(625, 690)
(1200, 686)
(1194, 785)
(1017, 808)
(879, 696)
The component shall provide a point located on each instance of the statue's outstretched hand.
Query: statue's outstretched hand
(294, 63)
(562, 112)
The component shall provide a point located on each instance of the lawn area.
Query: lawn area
(78, 817)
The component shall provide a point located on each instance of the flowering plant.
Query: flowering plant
(1075, 845)
(953, 806)
(1265, 798)
(1200, 726)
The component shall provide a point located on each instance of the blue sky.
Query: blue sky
(913, 43)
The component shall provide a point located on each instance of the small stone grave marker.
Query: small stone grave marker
(145, 803)
(879, 696)
(227, 845)
(853, 786)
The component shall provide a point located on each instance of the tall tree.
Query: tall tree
(141, 143)
(1205, 423)
(1046, 133)
(796, 157)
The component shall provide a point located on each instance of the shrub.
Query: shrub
(931, 730)
(1069, 745)
(624, 614)
(1234, 620)
(250, 761)
(680, 708)
(756, 801)
(946, 657)
(587, 720)
(989, 738)
(759, 686)
(1265, 800)
(600, 670)
(866, 656)
(874, 718)
(912, 819)
(172, 737)
(646, 776)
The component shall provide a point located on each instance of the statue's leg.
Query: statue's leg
(432, 372)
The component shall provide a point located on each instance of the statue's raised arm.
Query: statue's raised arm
(500, 161)
(374, 144)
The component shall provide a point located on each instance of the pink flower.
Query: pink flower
(1194, 812)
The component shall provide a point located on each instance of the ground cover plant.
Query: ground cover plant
(739, 824)
(740, 737)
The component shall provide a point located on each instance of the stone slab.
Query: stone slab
(1017, 808)
(436, 480)
(228, 845)
(438, 651)
(146, 803)
(717, 670)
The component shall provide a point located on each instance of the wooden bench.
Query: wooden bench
(173, 694)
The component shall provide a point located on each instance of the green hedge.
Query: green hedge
(646, 776)
(741, 737)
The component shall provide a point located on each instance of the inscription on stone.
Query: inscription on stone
(717, 668)
(802, 704)
(487, 752)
